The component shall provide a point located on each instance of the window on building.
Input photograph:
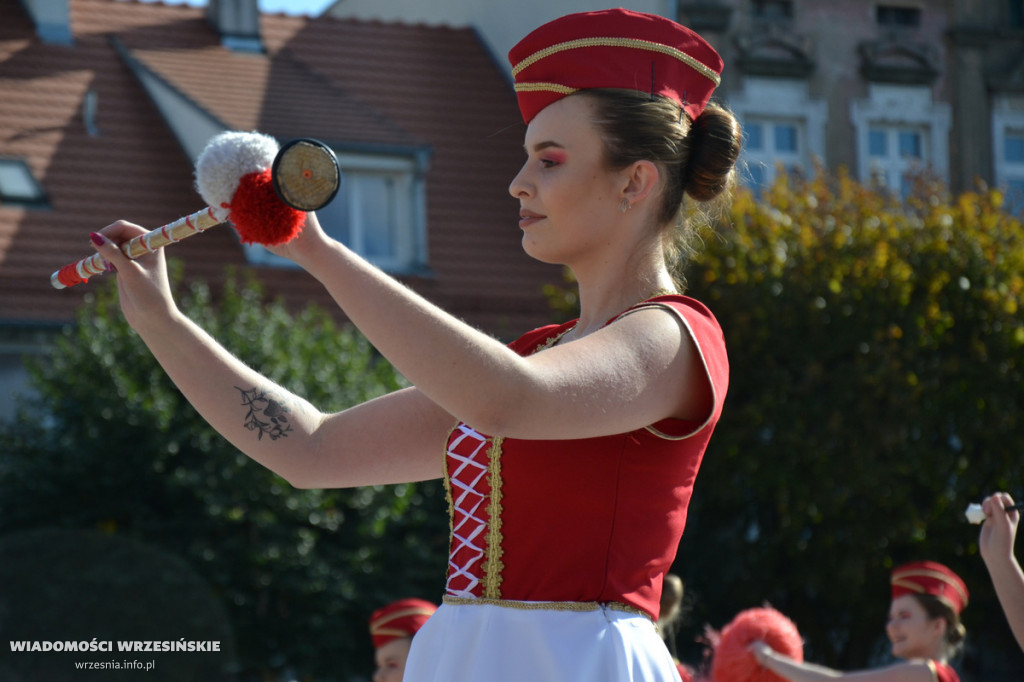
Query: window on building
(17, 186)
(771, 144)
(896, 154)
(1013, 169)
(379, 212)
(772, 10)
(783, 127)
(901, 133)
(367, 215)
(1008, 148)
(893, 16)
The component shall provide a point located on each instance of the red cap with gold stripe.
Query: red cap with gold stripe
(399, 619)
(614, 48)
(930, 577)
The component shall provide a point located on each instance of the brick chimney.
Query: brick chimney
(237, 22)
(52, 19)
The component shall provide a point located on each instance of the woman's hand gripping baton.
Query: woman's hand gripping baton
(245, 178)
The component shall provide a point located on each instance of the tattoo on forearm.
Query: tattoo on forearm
(267, 415)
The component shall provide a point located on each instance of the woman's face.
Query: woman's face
(911, 632)
(390, 660)
(568, 198)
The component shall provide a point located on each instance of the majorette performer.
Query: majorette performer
(570, 454)
(924, 629)
(392, 628)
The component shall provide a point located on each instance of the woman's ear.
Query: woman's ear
(642, 179)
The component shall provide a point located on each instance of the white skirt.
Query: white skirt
(491, 643)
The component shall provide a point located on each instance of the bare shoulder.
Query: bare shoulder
(654, 325)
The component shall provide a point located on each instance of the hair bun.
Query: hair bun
(715, 141)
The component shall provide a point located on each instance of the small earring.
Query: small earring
(625, 206)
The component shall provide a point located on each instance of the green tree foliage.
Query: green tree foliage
(877, 364)
(112, 445)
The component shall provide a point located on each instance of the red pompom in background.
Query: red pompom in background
(259, 215)
(733, 661)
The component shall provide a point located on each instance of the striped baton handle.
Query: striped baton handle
(200, 221)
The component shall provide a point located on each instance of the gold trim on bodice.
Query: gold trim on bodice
(546, 605)
(493, 565)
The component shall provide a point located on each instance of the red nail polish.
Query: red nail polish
(97, 238)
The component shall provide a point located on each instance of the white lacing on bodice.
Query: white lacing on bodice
(469, 521)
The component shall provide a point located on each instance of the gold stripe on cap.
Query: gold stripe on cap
(619, 42)
(389, 632)
(378, 625)
(545, 87)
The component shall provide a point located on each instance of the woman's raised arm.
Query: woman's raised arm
(643, 368)
(395, 438)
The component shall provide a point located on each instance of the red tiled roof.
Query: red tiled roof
(339, 80)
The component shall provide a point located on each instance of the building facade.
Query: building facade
(884, 88)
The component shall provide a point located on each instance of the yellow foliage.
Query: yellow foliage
(832, 237)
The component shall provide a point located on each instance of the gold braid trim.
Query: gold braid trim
(634, 43)
(446, 479)
(545, 605)
(493, 565)
(540, 87)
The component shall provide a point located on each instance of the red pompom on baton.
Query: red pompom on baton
(263, 190)
(259, 216)
(733, 660)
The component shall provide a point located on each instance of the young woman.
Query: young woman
(924, 629)
(392, 628)
(569, 455)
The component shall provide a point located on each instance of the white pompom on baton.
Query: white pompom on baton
(246, 178)
(975, 514)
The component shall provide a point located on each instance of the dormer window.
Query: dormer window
(17, 186)
(379, 211)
